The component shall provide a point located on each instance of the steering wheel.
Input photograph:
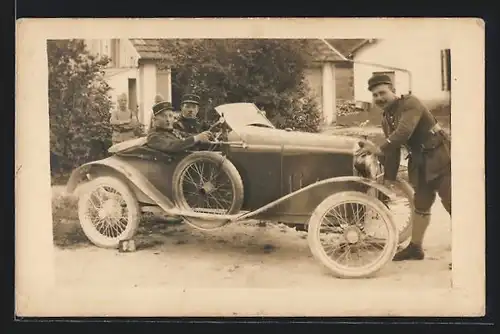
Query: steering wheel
(217, 134)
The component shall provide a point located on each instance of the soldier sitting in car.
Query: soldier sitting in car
(165, 138)
(188, 121)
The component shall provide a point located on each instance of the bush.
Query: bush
(79, 106)
(267, 72)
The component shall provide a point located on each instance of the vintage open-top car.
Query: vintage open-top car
(253, 171)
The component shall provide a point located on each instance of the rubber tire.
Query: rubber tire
(407, 189)
(318, 251)
(132, 205)
(230, 170)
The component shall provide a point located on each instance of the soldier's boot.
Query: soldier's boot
(414, 250)
(411, 252)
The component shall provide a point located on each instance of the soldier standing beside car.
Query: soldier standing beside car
(406, 121)
(164, 137)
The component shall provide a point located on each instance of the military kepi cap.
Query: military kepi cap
(191, 98)
(161, 106)
(378, 79)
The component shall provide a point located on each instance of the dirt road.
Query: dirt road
(239, 256)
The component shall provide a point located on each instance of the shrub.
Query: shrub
(79, 106)
(267, 72)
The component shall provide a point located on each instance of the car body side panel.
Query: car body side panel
(298, 208)
(144, 177)
(273, 171)
(260, 172)
(305, 168)
(157, 173)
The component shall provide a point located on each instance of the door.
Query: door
(132, 96)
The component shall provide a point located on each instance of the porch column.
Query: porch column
(329, 94)
(169, 76)
(148, 92)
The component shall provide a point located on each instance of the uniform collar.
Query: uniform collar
(188, 120)
(391, 106)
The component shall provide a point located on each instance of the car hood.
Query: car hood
(261, 136)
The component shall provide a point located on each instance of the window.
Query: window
(446, 70)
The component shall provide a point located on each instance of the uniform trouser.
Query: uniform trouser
(425, 193)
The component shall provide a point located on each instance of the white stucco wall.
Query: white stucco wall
(164, 84)
(128, 54)
(313, 76)
(329, 93)
(117, 79)
(322, 80)
(421, 57)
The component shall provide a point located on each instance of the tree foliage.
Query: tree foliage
(79, 105)
(268, 72)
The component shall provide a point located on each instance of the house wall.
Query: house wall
(340, 79)
(139, 80)
(314, 76)
(121, 51)
(118, 74)
(164, 84)
(344, 82)
(421, 57)
(118, 80)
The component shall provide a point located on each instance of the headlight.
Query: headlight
(366, 165)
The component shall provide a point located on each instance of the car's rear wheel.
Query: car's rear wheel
(108, 211)
(207, 182)
(342, 236)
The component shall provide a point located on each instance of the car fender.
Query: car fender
(307, 198)
(143, 188)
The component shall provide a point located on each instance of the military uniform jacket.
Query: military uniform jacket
(408, 122)
(169, 141)
(190, 126)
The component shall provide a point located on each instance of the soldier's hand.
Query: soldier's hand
(368, 147)
(203, 137)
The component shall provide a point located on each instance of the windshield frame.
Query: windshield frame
(232, 113)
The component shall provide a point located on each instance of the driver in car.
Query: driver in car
(188, 121)
(164, 137)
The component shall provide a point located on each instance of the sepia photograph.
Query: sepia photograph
(270, 163)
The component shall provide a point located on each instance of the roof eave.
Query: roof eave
(155, 59)
(362, 45)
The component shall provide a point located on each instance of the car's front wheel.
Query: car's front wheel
(108, 211)
(352, 234)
